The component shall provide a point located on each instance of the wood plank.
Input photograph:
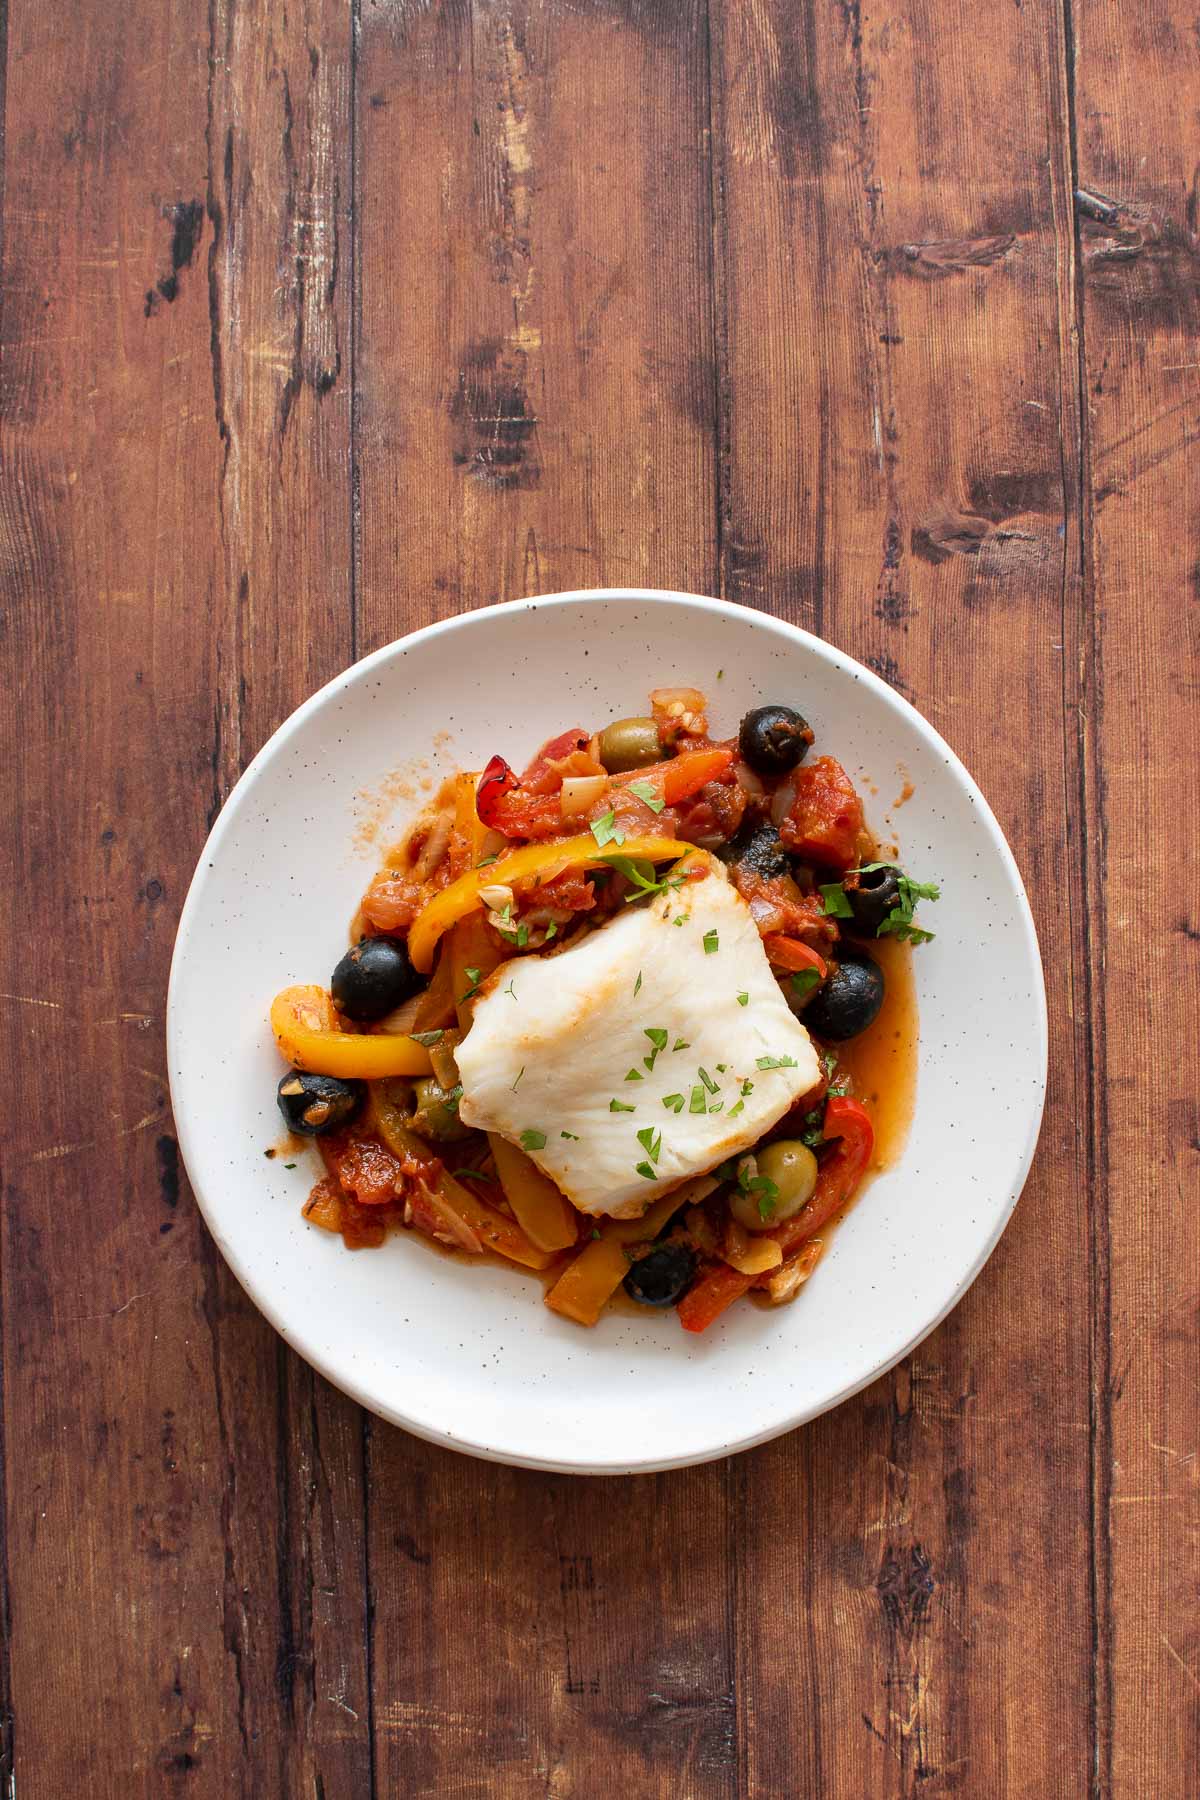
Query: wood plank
(1136, 79)
(902, 475)
(183, 1500)
(534, 412)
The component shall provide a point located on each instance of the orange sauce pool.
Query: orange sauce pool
(883, 1062)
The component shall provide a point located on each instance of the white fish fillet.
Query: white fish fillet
(555, 1039)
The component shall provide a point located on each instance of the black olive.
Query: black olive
(659, 1278)
(773, 739)
(878, 891)
(757, 846)
(315, 1104)
(374, 978)
(847, 1001)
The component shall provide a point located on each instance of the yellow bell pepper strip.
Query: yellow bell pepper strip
(493, 1229)
(472, 954)
(540, 1209)
(587, 1283)
(306, 1030)
(542, 860)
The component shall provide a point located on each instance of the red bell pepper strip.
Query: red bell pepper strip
(679, 777)
(790, 953)
(848, 1122)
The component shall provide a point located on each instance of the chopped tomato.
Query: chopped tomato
(368, 1173)
(568, 893)
(392, 901)
(544, 774)
(714, 815)
(826, 818)
(505, 806)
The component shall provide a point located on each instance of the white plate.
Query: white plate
(469, 1356)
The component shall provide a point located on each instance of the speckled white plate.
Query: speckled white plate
(469, 1356)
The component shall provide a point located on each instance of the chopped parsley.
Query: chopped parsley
(452, 1099)
(658, 1037)
(743, 999)
(551, 932)
(520, 1072)
(637, 986)
(777, 1062)
(760, 1188)
(644, 1169)
(289, 1165)
(641, 874)
(533, 1140)
(511, 991)
(494, 857)
(680, 920)
(712, 1086)
(470, 1175)
(699, 1101)
(651, 1142)
(427, 1038)
(473, 977)
(605, 830)
(620, 1106)
(834, 901)
(680, 1044)
(674, 1101)
(573, 1135)
(898, 923)
(712, 943)
(519, 936)
(635, 1075)
(803, 982)
(737, 1107)
(648, 794)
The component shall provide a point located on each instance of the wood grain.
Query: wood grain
(317, 325)
(1136, 81)
(904, 298)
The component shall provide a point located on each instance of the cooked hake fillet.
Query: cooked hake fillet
(647, 1054)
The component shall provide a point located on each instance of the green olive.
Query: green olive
(629, 744)
(436, 1117)
(792, 1168)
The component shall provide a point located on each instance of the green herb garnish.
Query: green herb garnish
(743, 999)
(834, 901)
(777, 1062)
(620, 1106)
(494, 857)
(452, 1099)
(899, 921)
(644, 1169)
(674, 1101)
(533, 1140)
(712, 1086)
(699, 1101)
(804, 981)
(605, 830)
(641, 874)
(712, 943)
(427, 1038)
(472, 976)
(573, 1135)
(637, 986)
(520, 1072)
(635, 1075)
(470, 1175)
(680, 1044)
(651, 1142)
(289, 1165)
(648, 794)
(551, 932)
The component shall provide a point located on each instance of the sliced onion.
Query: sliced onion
(783, 802)
(579, 792)
(496, 897)
(747, 780)
(434, 847)
(402, 1021)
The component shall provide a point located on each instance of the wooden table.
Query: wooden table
(322, 321)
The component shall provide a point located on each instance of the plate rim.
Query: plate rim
(737, 614)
